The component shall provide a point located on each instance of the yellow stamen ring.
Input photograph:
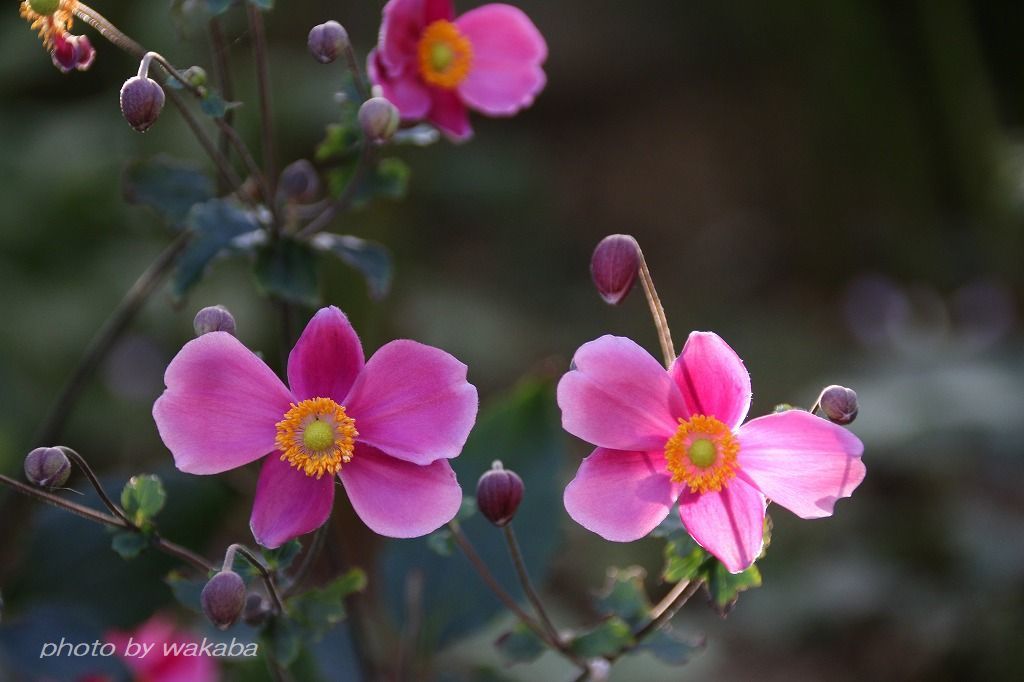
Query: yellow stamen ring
(445, 55)
(316, 437)
(50, 26)
(702, 454)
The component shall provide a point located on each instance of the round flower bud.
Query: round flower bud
(839, 404)
(214, 318)
(195, 75)
(223, 599)
(498, 494)
(44, 7)
(614, 267)
(47, 467)
(299, 182)
(142, 99)
(379, 119)
(327, 41)
(256, 610)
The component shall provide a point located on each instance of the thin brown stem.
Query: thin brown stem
(524, 579)
(97, 486)
(259, 49)
(344, 200)
(657, 312)
(268, 579)
(661, 614)
(309, 560)
(222, 74)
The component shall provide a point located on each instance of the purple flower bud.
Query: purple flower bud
(614, 267)
(72, 52)
(257, 610)
(47, 467)
(379, 119)
(839, 404)
(299, 182)
(44, 7)
(498, 494)
(214, 318)
(142, 99)
(327, 41)
(223, 599)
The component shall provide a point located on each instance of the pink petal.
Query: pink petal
(406, 91)
(621, 496)
(801, 461)
(450, 115)
(712, 378)
(507, 53)
(288, 503)
(413, 402)
(326, 359)
(619, 397)
(399, 499)
(729, 523)
(221, 406)
(400, 31)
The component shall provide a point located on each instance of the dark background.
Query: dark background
(837, 190)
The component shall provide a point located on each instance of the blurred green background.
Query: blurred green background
(837, 190)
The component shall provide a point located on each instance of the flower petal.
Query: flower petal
(405, 90)
(326, 359)
(288, 503)
(507, 53)
(221, 405)
(450, 115)
(413, 402)
(399, 499)
(712, 378)
(619, 397)
(401, 27)
(728, 523)
(801, 461)
(621, 496)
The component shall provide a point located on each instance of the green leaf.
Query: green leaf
(168, 186)
(683, 557)
(215, 224)
(371, 259)
(520, 645)
(670, 648)
(606, 639)
(282, 641)
(287, 269)
(129, 544)
(281, 558)
(320, 609)
(442, 542)
(624, 595)
(215, 106)
(341, 141)
(389, 179)
(725, 587)
(186, 591)
(143, 497)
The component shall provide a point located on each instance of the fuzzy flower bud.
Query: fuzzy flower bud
(379, 119)
(614, 267)
(142, 100)
(498, 494)
(72, 52)
(223, 599)
(839, 404)
(327, 41)
(47, 467)
(214, 318)
(299, 182)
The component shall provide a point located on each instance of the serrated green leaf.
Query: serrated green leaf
(320, 609)
(168, 186)
(520, 645)
(215, 224)
(624, 595)
(725, 587)
(143, 497)
(129, 544)
(287, 269)
(606, 639)
(670, 648)
(371, 259)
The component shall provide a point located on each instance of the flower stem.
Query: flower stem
(668, 352)
(344, 200)
(222, 73)
(524, 579)
(661, 614)
(357, 74)
(309, 560)
(268, 579)
(101, 344)
(259, 49)
(87, 470)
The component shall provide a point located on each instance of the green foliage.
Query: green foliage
(520, 645)
(286, 268)
(341, 141)
(215, 224)
(318, 610)
(215, 106)
(442, 541)
(278, 560)
(606, 639)
(725, 587)
(185, 590)
(624, 595)
(371, 259)
(143, 497)
(168, 186)
(669, 648)
(129, 544)
(388, 179)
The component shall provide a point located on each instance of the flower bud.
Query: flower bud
(142, 99)
(195, 75)
(47, 467)
(614, 266)
(223, 599)
(214, 318)
(299, 182)
(256, 610)
(327, 41)
(379, 119)
(839, 404)
(44, 7)
(498, 494)
(72, 52)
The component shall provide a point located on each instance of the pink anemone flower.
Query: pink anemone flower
(159, 665)
(386, 427)
(433, 66)
(664, 436)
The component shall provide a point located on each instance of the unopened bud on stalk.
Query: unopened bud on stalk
(47, 467)
(195, 75)
(839, 404)
(142, 100)
(614, 267)
(498, 494)
(327, 41)
(223, 599)
(379, 119)
(214, 318)
(299, 182)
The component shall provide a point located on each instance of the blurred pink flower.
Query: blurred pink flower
(386, 427)
(158, 665)
(433, 66)
(676, 435)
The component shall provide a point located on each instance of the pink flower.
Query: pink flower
(676, 435)
(158, 665)
(433, 66)
(386, 427)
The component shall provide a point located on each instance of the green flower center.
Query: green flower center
(703, 453)
(318, 436)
